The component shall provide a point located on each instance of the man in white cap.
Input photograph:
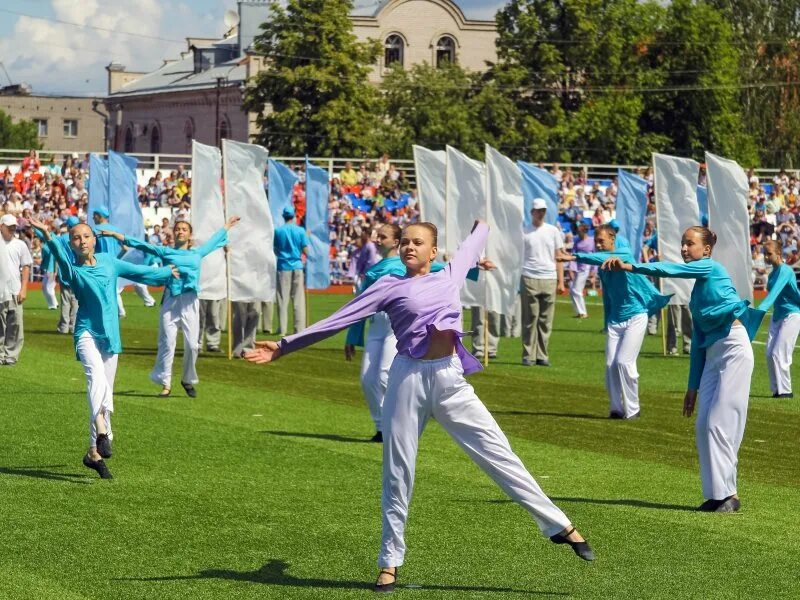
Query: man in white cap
(15, 289)
(542, 279)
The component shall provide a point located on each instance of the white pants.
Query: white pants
(576, 291)
(623, 342)
(49, 290)
(418, 390)
(178, 312)
(780, 346)
(379, 352)
(141, 291)
(722, 411)
(100, 369)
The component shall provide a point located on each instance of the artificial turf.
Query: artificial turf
(264, 486)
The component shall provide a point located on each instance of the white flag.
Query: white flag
(208, 216)
(251, 256)
(466, 201)
(430, 167)
(506, 207)
(728, 192)
(677, 210)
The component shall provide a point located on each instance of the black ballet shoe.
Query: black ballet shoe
(726, 505)
(615, 415)
(190, 391)
(777, 395)
(97, 465)
(378, 437)
(103, 445)
(582, 549)
(386, 588)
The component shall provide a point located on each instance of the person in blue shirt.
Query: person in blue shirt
(69, 304)
(180, 307)
(784, 299)
(290, 244)
(380, 346)
(628, 300)
(48, 271)
(93, 278)
(721, 362)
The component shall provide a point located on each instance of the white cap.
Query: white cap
(539, 204)
(8, 220)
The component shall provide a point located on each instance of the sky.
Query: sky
(63, 46)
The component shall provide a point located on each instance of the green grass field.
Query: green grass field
(263, 486)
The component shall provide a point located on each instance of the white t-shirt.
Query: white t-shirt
(18, 256)
(540, 245)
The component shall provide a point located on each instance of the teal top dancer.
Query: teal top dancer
(783, 296)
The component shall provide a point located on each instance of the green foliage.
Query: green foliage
(314, 98)
(21, 135)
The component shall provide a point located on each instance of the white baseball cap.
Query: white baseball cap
(8, 220)
(539, 204)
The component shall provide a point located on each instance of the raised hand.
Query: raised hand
(37, 224)
(265, 352)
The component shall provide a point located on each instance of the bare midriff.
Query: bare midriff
(442, 344)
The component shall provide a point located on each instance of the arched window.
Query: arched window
(188, 135)
(129, 139)
(445, 51)
(155, 140)
(393, 51)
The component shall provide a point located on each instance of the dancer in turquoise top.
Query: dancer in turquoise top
(180, 307)
(721, 364)
(784, 298)
(380, 347)
(93, 279)
(628, 300)
(48, 271)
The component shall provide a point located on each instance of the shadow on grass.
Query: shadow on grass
(321, 436)
(611, 501)
(275, 573)
(549, 414)
(42, 473)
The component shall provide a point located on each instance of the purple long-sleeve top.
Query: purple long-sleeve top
(416, 306)
(585, 245)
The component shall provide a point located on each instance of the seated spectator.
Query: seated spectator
(348, 176)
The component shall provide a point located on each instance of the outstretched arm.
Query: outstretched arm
(781, 281)
(696, 269)
(153, 249)
(469, 252)
(145, 274)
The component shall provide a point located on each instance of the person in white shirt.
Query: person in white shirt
(15, 289)
(542, 279)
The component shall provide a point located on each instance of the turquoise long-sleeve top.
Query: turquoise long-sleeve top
(95, 287)
(625, 295)
(714, 304)
(48, 260)
(391, 265)
(107, 244)
(187, 260)
(783, 296)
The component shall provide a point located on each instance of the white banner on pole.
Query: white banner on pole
(208, 215)
(676, 210)
(728, 190)
(251, 255)
(431, 168)
(466, 201)
(504, 247)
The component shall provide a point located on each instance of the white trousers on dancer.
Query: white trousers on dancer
(576, 291)
(418, 390)
(100, 369)
(780, 346)
(49, 290)
(178, 312)
(722, 411)
(380, 349)
(141, 291)
(623, 342)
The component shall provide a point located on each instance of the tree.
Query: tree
(21, 135)
(313, 97)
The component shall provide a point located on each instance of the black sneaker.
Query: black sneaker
(615, 415)
(190, 391)
(104, 445)
(378, 437)
(542, 363)
(731, 504)
(97, 465)
(777, 395)
(213, 349)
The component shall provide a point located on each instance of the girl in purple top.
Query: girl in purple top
(580, 272)
(427, 380)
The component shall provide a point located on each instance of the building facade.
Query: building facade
(200, 95)
(67, 123)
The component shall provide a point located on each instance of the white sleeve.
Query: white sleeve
(25, 258)
(559, 237)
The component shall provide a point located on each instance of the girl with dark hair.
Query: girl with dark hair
(180, 306)
(628, 301)
(785, 325)
(721, 361)
(426, 380)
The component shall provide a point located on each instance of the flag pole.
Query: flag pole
(229, 315)
(486, 277)
(660, 279)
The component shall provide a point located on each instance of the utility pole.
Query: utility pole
(220, 81)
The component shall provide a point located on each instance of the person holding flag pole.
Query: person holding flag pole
(426, 380)
(180, 305)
